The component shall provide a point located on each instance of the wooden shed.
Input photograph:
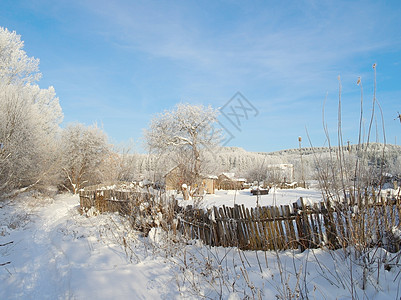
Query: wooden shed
(228, 181)
(175, 178)
(178, 176)
(209, 183)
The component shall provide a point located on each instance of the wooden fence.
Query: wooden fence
(266, 228)
(143, 208)
(261, 228)
(110, 200)
(285, 227)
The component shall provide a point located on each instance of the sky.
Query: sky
(272, 68)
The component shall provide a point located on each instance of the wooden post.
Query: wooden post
(330, 227)
(298, 222)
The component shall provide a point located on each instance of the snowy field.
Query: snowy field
(56, 253)
(275, 197)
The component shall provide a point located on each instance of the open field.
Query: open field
(275, 197)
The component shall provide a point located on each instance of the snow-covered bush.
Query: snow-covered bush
(84, 151)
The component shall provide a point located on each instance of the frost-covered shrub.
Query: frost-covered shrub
(84, 151)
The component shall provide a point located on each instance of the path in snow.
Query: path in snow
(57, 254)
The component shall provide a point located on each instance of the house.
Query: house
(228, 181)
(178, 176)
(175, 178)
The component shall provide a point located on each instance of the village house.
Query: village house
(178, 176)
(174, 179)
(228, 181)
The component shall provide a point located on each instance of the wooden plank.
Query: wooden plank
(106, 198)
(224, 233)
(255, 218)
(318, 223)
(219, 228)
(340, 225)
(262, 240)
(231, 240)
(201, 226)
(329, 226)
(291, 222)
(275, 229)
(280, 228)
(313, 227)
(252, 233)
(230, 227)
(300, 230)
(286, 221)
(270, 230)
(255, 229)
(240, 231)
(248, 228)
(306, 225)
(265, 225)
(233, 226)
(206, 229)
(245, 226)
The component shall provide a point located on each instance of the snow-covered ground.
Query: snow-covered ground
(56, 253)
(245, 197)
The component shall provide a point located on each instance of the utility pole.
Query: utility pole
(302, 163)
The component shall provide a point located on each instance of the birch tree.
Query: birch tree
(187, 130)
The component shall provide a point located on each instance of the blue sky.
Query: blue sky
(119, 62)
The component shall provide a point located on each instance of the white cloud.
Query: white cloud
(279, 49)
(278, 54)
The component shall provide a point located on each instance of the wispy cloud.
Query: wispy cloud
(283, 56)
(267, 43)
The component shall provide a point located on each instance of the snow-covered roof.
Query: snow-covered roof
(281, 166)
(232, 177)
(228, 175)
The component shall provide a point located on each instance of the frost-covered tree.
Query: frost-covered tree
(29, 118)
(121, 165)
(85, 149)
(257, 174)
(15, 66)
(186, 130)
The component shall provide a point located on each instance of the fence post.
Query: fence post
(330, 228)
(298, 222)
